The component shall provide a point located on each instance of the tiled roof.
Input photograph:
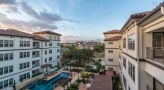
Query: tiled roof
(101, 82)
(40, 38)
(112, 32)
(152, 12)
(46, 65)
(47, 32)
(140, 15)
(115, 38)
(13, 32)
(136, 15)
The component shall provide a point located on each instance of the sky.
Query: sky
(75, 19)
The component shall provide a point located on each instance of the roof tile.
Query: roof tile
(115, 38)
(112, 32)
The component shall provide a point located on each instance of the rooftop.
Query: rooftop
(47, 32)
(40, 38)
(112, 32)
(115, 38)
(101, 82)
(13, 32)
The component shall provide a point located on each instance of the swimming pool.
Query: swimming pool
(48, 85)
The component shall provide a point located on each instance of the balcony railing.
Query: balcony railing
(156, 54)
(35, 65)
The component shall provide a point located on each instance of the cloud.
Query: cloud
(24, 25)
(9, 5)
(41, 16)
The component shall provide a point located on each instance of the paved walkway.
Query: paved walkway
(83, 87)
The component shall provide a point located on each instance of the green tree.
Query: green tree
(99, 48)
(67, 54)
(71, 47)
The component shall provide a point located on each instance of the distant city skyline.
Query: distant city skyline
(74, 19)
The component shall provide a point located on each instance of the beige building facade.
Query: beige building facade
(140, 51)
(111, 50)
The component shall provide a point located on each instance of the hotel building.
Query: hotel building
(24, 56)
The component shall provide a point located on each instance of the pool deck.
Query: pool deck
(52, 76)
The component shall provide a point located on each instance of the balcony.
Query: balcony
(155, 54)
(35, 65)
(36, 45)
(35, 54)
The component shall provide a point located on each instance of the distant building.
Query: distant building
(87, 45)
(67, 44)
(112, 50)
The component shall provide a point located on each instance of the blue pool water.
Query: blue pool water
(48, 85)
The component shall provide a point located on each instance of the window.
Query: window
(1, 43)
(58, 50)
(110, 51)
(24, 76)
(10, 69)
(6, 70)
(1, 57)
(131, 71)
(1, 71)
(11, 56)
(24, 43)
(110, 60)
(35, 63)
(124, 62)
(6, 83)
(58, 57)
(21, 43)
(6, 43)
(28, 64)
(110, 68)
(50, 44)
(1, 85)
(50, 51)
(50, 58)
(28, 54)
(124, 81)
(28, 43)
(11, 81)
(11, 43)
(45, 60)
(124, 43)
(6, 55)
(45, 52)
(21, 54)
(24, 65)
(24, 54)
(58, 44)
(131, 42)
(50, 37)
(110, 42)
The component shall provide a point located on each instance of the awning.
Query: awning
(46, 65)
